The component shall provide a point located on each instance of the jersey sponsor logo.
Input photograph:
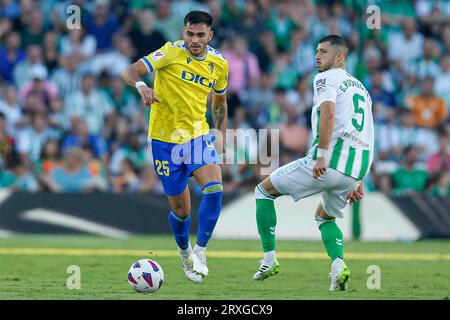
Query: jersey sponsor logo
(320, 85)
(157, 55)
(196, 78)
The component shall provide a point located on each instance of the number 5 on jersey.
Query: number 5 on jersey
(162, 168)
(356, 99)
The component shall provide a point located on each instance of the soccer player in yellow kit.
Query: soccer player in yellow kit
(186, 72)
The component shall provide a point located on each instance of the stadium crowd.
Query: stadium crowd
(69, 124)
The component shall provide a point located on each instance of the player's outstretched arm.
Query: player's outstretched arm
(132, 76)
(219, 115)
(326, 121)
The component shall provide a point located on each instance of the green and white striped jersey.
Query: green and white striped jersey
(352, 141)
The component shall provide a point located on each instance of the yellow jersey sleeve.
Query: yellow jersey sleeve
(159, 58)
(220, 87)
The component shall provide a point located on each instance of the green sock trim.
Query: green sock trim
(266, 219)
(332, 239)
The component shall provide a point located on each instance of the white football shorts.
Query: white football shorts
(296, 179)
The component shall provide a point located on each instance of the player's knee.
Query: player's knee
(262, 194)
(181, 209)
(212, 189)
(321, 216)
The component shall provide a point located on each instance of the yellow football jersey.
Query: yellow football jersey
(182, 84)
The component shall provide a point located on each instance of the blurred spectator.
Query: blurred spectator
(125, 102)
(115, 61)
(426, 65)
(10, 55)
(301, 97)
(102, 24)
(89, 103)
(406, 46)
(266, 50)
(51, 54)
(78, 43)
(6, 144)
(166, 23)
(445, 45)
(81, 138)
(429, 110)
(442, 82)
(41, 89)
(442, 187)
(34, 30)
(131, 150)
(223, 29)
(409, 178)
(407, 134)
(74, 176)
(258, 99)
(293, 137)
(281, 24)
(21, 178)
(303, 53)
(373, 61)
(21, 71)
(11, 110)
(127, 181)
(50, 157)
(285, 76)
(9, 8)
(243, 66)
(251, 23)
(145, 38)
(67, 78)
(31, 139)
(440, 161)
(383, 102)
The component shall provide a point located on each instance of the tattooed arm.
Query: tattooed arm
(219, 115)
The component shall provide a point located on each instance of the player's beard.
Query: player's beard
(199, 54)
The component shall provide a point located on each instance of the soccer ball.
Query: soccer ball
(145, 276)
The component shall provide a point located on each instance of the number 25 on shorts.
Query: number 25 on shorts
(162, 168)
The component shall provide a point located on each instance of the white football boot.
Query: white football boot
(199, 263)
(340, 275)
(266, 270)
(187, 263)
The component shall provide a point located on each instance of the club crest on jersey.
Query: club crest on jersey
(157, 55)
(211, 67)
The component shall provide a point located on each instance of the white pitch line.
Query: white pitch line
(65, 220)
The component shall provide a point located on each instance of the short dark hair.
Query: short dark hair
(195, 17)
(335, 40)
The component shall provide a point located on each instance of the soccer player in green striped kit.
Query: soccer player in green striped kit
(340, 157)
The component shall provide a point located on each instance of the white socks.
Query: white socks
(269, 256)
(198, 248)
(186, 252)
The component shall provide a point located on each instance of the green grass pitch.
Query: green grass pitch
(419, 270)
